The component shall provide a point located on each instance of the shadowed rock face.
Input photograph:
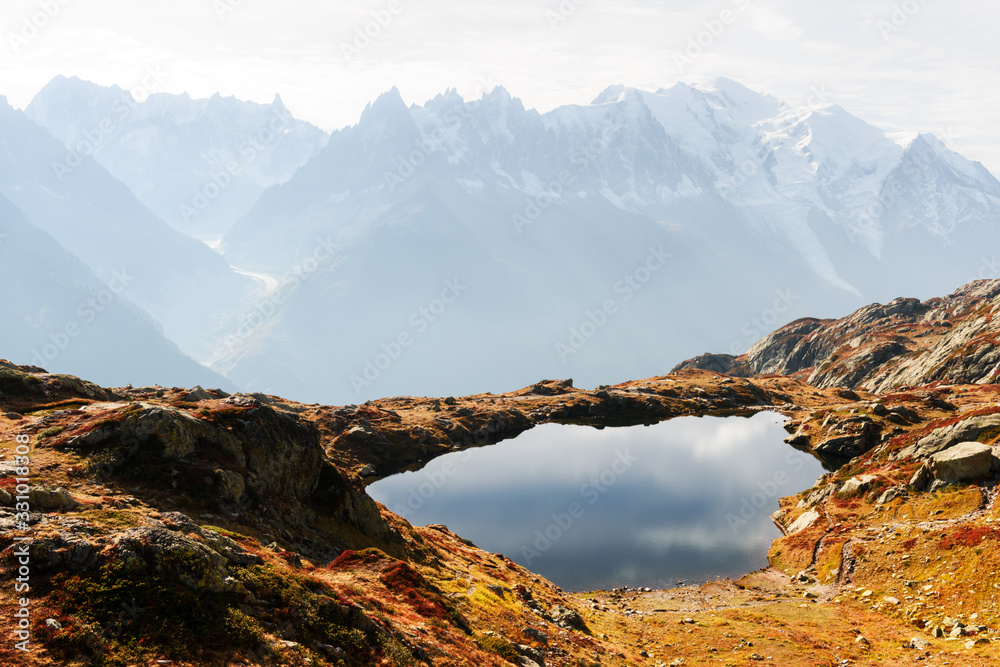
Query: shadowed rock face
(883, 347)
(241, 456)
(861, 435)
(272, 451)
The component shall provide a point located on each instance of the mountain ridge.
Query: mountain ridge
(95, 217)
(882, 348)
(197, 163)
(56, 311)
(747, 193)
(542, 213)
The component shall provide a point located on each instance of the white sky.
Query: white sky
(938, 72)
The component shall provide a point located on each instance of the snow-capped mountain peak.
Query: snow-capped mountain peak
(198, 163)
(610, 95)
(744, 200)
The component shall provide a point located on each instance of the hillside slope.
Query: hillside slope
(199, 528)
(57, 313)
(179, 281)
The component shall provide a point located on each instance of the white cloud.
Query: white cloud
(775, 25)
(938, 68)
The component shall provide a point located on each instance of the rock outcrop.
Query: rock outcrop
(883, 347)
(860, 435)
(241, 455)
(28, 385)
(942, 438)
(965, 462)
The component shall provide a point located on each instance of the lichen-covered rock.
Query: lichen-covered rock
(569, 619)
(283, 455)
(30, 383)
(856, 485)
(66, 551)
(947, 436)
(966, 461)
(179, 556)
(175, 432)
(228, 548)
(52, 500)
(232, 486)
(255, 452)
(197, 557)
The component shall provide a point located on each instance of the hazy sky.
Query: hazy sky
(914, 65)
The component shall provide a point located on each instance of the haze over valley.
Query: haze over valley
(470, 245)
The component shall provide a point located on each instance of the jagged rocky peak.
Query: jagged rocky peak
(386, 105)
(880, 347)
(610, 94)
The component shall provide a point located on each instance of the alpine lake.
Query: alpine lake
(683, 501)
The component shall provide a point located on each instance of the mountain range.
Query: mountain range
(197, 164)
(462, 246)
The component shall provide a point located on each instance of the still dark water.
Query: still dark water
(687, 499)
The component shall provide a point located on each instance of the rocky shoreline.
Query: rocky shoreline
(242, 522)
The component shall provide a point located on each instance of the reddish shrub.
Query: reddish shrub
(426, 606)
(412, 587)
(968, 536)
(846, 503)
(353, 559)
(401, 576)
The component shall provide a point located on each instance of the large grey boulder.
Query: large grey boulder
(52, 499)
(805, 521)
(964, 462)
(568, 619)
(947, 436)
(856, 485)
